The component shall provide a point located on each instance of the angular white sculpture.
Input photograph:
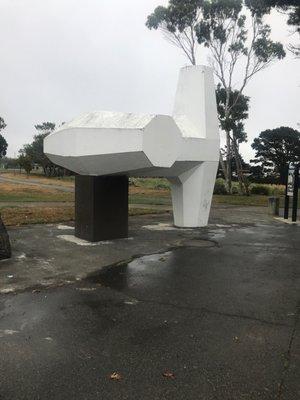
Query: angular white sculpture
(183, 148)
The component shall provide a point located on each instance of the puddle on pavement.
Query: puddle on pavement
(134, 273)
(147, 271)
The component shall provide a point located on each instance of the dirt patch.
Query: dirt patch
(38, 215)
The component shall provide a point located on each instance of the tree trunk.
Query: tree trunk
(228, 177)
(223, 166)
(244, 187)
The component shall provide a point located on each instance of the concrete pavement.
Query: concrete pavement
(215, 309)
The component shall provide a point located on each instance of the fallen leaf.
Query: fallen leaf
(115, 376)
(168, 374)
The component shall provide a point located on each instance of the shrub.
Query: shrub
(277, 190)
(260, 189)
(235, 190)
(220, 187)
(162, 185)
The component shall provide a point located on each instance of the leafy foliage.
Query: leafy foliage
(3, 142)
(45, 127)
(221, 26)
(2, 124)
(238, 111)
(35, 150)
(223, 30)
(9, 162)
(220, 187)
(260, 189)
(25, 162)
(292, 7)
(275, 148)
(178, 22)
(3, 146)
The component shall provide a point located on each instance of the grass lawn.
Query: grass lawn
(37, 177)
(146, 194)
(236, 200)
(149, 192)
(25, 193)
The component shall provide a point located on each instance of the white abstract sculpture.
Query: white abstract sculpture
(183, 148)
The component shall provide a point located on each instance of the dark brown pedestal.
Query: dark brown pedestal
(101, 207)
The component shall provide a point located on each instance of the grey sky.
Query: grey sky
(60, 58)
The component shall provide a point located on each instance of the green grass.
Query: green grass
(146, 199)
(38, 197)
(152, 191)
(150, 183)
(236, 200)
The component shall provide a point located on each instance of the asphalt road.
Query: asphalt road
(217, 318)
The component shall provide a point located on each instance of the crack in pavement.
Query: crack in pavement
(288, 354)
(208, 311)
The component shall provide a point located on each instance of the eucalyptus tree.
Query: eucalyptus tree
(240, 47)
(238, 42)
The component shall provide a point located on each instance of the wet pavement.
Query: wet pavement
(196, 314)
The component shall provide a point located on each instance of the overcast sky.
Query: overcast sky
(60, 58)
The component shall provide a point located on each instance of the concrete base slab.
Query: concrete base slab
(287, 221)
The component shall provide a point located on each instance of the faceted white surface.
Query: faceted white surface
(183, 148)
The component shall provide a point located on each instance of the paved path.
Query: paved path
(215, 310)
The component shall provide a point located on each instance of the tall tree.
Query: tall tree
(234, 48)
(275, 148)
(220, 25)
